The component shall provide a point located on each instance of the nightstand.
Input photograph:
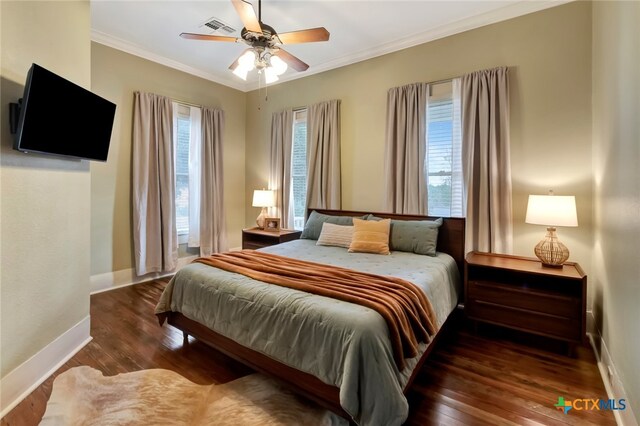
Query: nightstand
(255, 238)
(519, 293)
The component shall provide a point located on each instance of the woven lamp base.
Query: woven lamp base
(261, 217)
(551, 252)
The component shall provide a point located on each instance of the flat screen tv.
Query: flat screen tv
(61, 118)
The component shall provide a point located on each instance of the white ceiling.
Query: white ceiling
(359, 29)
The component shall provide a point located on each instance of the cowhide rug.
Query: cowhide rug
(83, 396)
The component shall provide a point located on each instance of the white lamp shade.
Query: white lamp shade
(246, 63)
(552, 210)
(278, 65)
(247, 60)
(270, 76)
(241, 72)
(263, 198)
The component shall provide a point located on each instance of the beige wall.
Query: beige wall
(552, 85)
(115, 76)
(616, 155)
(550, 56)
(45, 205)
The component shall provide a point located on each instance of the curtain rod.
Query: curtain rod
(444, 80)
(186, 103)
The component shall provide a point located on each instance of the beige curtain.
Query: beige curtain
(405, 151)
(155, 238)
(486, 160)
(280, 170)
(213, 233)
(323, 155)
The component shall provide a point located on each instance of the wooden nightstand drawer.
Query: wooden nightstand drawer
(255, 238)
(520, 293)
(522, 319)
(247, 245)
(525, 298)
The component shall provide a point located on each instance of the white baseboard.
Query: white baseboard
(612, 382)
(126, 277)
(20, 382)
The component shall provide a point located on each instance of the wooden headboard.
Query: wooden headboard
(450, 234)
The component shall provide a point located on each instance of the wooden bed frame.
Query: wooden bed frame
(450, 241)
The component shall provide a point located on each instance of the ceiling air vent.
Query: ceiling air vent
(218, 25)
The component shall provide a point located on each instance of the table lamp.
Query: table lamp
(263, 198)
(552, 210)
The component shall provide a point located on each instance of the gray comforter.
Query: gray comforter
(343, 344)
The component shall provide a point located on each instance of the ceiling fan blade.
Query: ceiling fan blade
(192, 36)
(305, 36)
(247, 15)
(291, 60)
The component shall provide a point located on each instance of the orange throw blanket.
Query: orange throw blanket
(404, 306)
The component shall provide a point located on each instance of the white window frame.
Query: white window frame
(439, 92)
(299, 116)
(183, 112)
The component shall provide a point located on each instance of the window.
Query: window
(186, 143)
(299, 168)
(444, 152)
(182, 143)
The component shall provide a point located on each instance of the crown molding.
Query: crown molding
(507, 12)
(510, 11)
(136, 50)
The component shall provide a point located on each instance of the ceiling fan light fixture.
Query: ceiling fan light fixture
(264, 52)
(247, 60)
(270, 75)
(278, 65)
(241, 72)
(246, 63)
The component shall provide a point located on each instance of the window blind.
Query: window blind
(444, 154)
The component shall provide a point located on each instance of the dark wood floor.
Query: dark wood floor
(491, 378)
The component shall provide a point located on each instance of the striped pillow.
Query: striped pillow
(335, 235)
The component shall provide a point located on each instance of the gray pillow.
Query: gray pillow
(413, 236)
(313, 227)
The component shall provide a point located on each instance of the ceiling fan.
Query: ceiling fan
(265, 52)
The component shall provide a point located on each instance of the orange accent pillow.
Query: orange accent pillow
(370, 236)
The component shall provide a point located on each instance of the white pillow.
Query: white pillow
(335, 235)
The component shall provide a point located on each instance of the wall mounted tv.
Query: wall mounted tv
(61, 118)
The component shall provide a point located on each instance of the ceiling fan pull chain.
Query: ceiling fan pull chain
(259, 81)
(261, 75)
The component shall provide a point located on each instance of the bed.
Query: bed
(334, 352)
